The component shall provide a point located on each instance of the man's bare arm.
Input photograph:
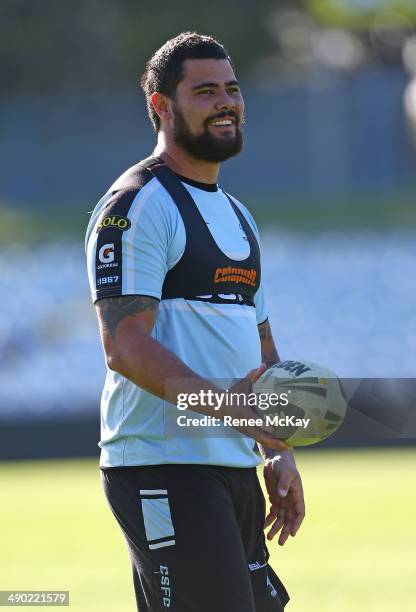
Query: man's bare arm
(281, 476)
(269, 352)
(126, 323)
(112, 311)
(269, 356)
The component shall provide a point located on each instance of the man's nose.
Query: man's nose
(224, 101)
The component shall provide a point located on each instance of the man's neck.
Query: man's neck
(184, 164)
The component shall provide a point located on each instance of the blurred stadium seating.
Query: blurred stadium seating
(344, 299)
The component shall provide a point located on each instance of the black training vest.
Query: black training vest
(204, 272)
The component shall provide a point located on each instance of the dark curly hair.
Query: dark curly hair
(164, 72)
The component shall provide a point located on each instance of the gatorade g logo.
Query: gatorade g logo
(106, 253)
(114, 221)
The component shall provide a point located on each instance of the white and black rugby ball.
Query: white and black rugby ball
(307, 402)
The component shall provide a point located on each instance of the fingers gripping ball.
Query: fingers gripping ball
(304, 402)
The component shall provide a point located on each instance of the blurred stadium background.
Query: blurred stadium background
(329, 173)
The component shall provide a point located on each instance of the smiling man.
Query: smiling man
(175, 274)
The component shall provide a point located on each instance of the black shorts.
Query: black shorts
(195, 536)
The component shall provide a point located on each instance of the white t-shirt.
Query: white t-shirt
(216, 340)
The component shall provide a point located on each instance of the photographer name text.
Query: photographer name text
(229, 421)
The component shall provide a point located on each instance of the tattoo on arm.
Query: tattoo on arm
(269, 352)
(115, 309)
(265, 332)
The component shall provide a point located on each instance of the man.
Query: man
(174, 268)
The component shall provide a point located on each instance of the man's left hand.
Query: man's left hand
(284, 487)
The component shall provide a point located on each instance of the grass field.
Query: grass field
(356, 551)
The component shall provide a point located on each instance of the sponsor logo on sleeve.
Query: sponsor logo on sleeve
(115, 222)
(106, 253)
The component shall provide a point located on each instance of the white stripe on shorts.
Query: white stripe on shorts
(162, 544)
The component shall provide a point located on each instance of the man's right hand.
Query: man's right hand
(261, 434)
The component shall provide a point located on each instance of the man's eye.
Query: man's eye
(234, 90)
(205, 91)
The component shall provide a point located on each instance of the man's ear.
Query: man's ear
(161, 105)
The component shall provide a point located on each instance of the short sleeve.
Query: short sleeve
(260, 303)
(127, 252)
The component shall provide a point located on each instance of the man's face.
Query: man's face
(208, 111)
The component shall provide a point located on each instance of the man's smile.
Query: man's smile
(222, 123)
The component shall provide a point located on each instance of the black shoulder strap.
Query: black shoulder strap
(245, 224)
(174, 187)
(183, 200)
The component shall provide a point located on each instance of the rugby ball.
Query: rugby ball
(302, 402)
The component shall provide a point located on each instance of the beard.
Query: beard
(205, 146)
